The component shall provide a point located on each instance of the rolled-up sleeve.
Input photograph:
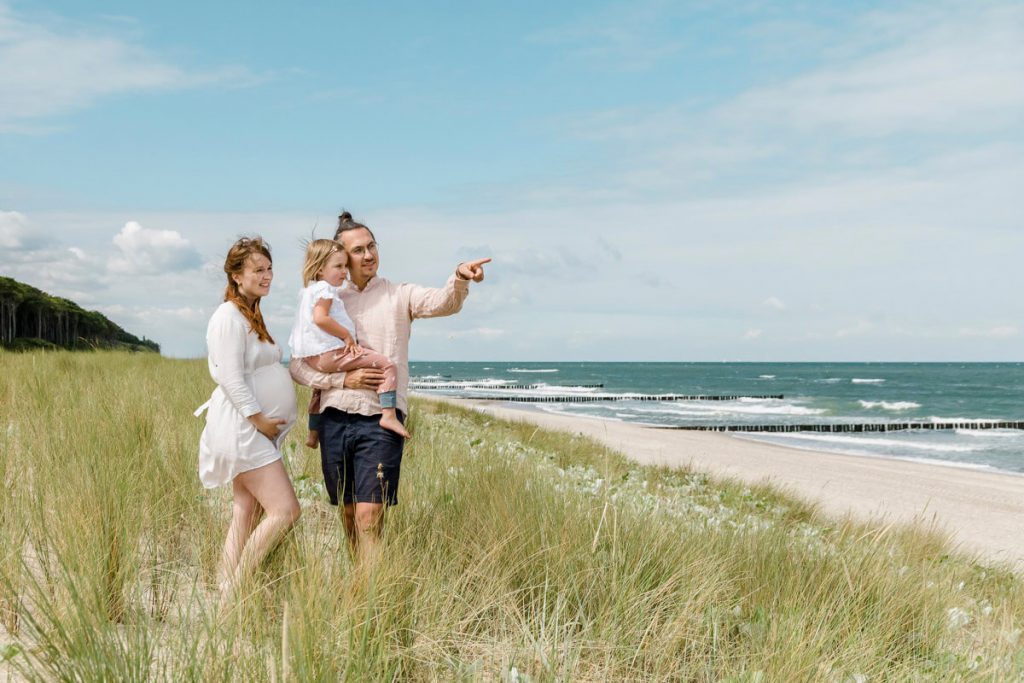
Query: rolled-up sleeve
(225, 341)
(435, 302)
(309, 376)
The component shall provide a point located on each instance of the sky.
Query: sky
(655, 181)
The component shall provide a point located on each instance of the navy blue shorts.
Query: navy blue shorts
(360, 459)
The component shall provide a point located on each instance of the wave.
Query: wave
(750, 406)
(560, 408)
(427, 381)
(964, 420)
(766, 376)
(559, 390)
(532, 370)
(864, 441)
(887, 405)
(861, 380)
(829, 380)
(673, 411)
(959, 464)
(993, 433)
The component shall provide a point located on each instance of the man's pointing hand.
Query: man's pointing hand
(472, 270)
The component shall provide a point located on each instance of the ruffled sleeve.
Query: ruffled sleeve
(322, 290)
(225, 341)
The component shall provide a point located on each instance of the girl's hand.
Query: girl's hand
(269, 427)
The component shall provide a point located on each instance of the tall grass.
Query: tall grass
(515, 554)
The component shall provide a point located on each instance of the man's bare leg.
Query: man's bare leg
(369, 519)
(348, 519)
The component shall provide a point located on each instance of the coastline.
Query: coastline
(981, 510)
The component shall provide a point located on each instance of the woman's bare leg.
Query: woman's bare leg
(272, 489)
(245, 513)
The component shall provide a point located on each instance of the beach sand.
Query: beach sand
(982, 511)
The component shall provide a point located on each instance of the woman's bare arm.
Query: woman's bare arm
(322, 318)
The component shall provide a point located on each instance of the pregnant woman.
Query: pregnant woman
(249, 414)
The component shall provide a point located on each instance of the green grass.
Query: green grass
(515, 554)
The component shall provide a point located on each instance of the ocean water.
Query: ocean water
(814, 393)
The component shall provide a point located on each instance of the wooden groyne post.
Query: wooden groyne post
(593, 399)
(852, 427)
(430, 386)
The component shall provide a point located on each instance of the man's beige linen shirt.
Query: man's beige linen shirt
(383, 313)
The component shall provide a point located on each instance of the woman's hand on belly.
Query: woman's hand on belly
(269, 427)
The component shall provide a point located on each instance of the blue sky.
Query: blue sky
(655, 180)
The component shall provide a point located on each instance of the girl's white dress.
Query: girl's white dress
(250, 379)
(307, 339)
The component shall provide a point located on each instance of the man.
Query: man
(360, 459)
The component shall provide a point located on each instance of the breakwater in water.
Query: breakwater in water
(460, 386)
(622, 397)
(852, 428)
(969, 414)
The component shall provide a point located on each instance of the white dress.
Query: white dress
(307, 339)
(250, 379)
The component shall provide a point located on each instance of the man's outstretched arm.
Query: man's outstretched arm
(435, 302)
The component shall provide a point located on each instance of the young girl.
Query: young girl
(322, 335)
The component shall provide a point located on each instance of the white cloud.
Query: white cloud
(47, 70)
(774, 302)
(488, 332)
(996, 332)
(15, 233)
(55, 270)
(752, 334)
(485, 333)
(945, 77)
(628, 37)
(861, 327)
(151, 252)
(947, 67)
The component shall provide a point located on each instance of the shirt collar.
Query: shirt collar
(369, 285)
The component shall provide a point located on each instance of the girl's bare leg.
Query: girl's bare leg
(389, 420)
(270, 487)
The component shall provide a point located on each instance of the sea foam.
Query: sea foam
(863, 441)
(890, 405)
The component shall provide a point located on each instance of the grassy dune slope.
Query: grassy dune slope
(515, 554)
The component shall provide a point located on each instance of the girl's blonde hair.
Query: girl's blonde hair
(317, 253)
(234, 264)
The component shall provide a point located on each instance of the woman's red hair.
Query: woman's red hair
(234, 264)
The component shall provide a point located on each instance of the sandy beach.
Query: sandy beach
(982, 511)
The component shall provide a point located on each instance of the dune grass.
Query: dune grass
(514, 554)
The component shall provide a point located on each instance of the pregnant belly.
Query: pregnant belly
(274, 391)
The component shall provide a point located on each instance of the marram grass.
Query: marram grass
(515, 554)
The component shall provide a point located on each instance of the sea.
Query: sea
(973, 395)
